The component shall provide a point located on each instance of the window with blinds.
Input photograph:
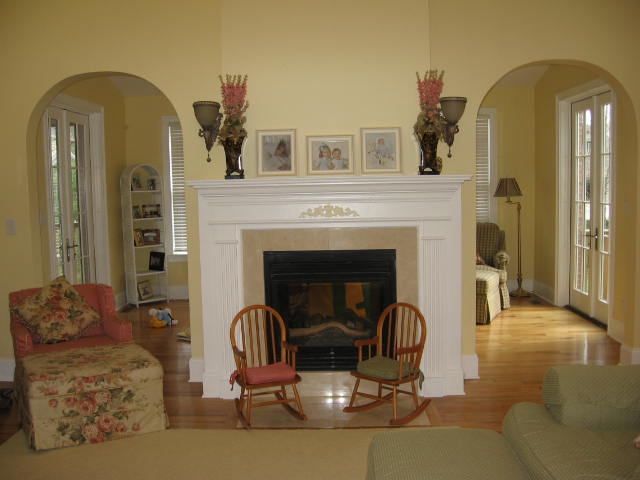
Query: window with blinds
(485, 165)
(176, 185)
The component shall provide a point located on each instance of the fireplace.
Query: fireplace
(315, 212)
(328, 299)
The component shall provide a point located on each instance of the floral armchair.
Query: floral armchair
(108, 330)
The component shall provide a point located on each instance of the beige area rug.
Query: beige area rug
(198, 454)
(326, 412)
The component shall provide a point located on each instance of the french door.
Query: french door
(591, 205)
(69, 195)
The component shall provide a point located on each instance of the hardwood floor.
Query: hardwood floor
(514, 353)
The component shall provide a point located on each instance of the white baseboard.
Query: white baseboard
(7, 367)
(121, 300)
(470, 366)
(615, 329)
(196, 369)
(178, 292)
(629, 356)
(544, 291)
(527, 284)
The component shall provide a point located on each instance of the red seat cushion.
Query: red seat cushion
(277, 372)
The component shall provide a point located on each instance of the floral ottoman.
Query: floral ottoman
(89, 395)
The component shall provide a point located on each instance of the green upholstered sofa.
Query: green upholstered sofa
(584, 430)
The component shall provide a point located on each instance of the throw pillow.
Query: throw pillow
(56, 313)
(479, 260)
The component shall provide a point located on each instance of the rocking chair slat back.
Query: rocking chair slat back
(405, 330)
(259, 332)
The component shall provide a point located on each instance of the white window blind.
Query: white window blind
(485, 167)
(176, 184)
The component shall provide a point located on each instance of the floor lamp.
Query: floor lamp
(508, 187)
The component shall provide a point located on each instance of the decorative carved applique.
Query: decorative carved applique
(328, 211)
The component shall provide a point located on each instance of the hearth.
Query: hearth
(329, 299)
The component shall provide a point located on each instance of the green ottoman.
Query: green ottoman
(442, 453)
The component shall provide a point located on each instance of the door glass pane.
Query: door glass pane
(604, 224)
(54, 154)
(582, 201)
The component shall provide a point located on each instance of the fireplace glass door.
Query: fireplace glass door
(328, 299)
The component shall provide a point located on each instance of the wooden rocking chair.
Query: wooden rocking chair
(264, 360)
(399, 343)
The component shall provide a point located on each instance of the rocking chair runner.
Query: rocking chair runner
(266, 361)
(399, 343)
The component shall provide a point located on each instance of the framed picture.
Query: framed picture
(135, 183)
(137, 211)
(380, 150)
(150, 211)
(156, 261)
(151, 236)
(144, 290)
(151, 184)
(330, 154)
(276, 152)
(138, 237)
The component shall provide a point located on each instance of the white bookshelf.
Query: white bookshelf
(143, 233)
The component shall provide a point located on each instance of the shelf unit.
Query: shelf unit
(143, 232)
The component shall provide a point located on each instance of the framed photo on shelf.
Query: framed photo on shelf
(138, 237)
(156, 261)
(276, 152)
(151, 184)
(151, 211)
(330, 155)
(137, 211)
(151, 236)
(380, 150)
(135, 183)
(144, 290)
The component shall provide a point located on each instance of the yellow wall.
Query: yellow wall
(320, 68)
(144, 145)
(556, 79)
(516, 138)
(101, 91)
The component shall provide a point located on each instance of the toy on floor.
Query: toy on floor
(161, 318)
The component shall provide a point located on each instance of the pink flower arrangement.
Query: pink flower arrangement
(429, 89)
(234, 93)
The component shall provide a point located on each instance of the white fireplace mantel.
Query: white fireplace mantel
(431, 204)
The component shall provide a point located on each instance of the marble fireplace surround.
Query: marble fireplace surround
(232, 212)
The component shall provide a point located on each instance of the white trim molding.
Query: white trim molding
(7, 368)
(629, 355)
(196, 369)
(430, 204)
(470, 366)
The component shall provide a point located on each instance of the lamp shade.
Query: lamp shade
(453, 108)
(508, 187)
(206, 113)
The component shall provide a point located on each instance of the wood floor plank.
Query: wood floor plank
(514, 353)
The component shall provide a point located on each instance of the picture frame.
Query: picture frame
(156, 261)
(137, 211)
(151, 211)
(135, 183)
(151, 236)
(138, 237)
(380, 150)
(276, 152)
(144, 290)
(337, 160)
(151, 184)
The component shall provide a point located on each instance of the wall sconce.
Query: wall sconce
(209, 117)
(452, 110)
